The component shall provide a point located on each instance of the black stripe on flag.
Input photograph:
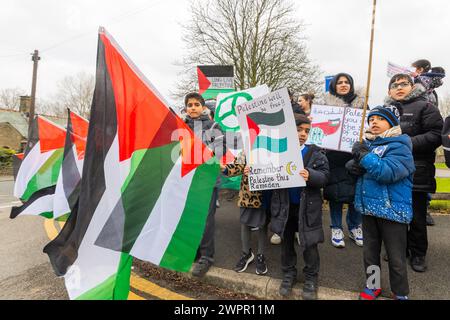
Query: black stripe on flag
(217, 71)
(15, 211)
(63, 250)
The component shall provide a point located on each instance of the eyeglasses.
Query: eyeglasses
(400, 85)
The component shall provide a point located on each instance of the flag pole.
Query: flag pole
(369, 76)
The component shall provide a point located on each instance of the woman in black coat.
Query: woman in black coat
(341, 185)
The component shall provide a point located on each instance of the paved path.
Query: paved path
(341, 268)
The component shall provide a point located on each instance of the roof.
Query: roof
(20, 122)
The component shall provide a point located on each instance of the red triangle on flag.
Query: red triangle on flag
(203, 82)
(254, 130)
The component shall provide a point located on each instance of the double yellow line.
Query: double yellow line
(140, 284)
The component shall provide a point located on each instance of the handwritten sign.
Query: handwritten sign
(271, 142)
(335, 128)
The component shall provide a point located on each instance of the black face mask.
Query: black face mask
(349, 97)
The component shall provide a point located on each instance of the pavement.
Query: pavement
(342, 272)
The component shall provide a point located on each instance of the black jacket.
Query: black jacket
(422, 121)
(310, 212)
(446, 141)
(341, 185)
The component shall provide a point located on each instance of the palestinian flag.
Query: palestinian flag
(69, 180)
(213, 80)
(141, 193)
(38, 173)
(257, 119)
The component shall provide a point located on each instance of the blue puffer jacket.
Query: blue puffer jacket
(385, 190)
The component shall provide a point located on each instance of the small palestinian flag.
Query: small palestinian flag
(257, 119)
(38, 173)
(69, 180)
(213, 80)
(141, 193)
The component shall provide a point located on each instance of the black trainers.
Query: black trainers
(201, 267)
(418, 264)
(430, 220)
(309, 291)
(261, 266)
(244, 261)
(287, 284)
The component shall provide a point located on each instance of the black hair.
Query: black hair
(301, 119)
(400, 76)
(422, 63)
(194, 95)
(308, 97)
(438, 70)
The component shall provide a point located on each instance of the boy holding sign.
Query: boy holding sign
(300, 210)
(385, 165)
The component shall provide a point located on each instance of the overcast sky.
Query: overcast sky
(149, 31)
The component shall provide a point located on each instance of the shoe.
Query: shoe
(395, 297)
(217, 204)
(244, 261)
(418, 264)
(298, 238)
(337, 238)
(276, 239)
(369, 294)
(201, 267)
(254, 229)
(261, 266)
(430, 220)
(357, 236)
(309, 291)
(287, 284)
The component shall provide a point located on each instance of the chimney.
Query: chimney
(25, 104)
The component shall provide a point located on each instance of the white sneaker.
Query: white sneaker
(275, 239)
(357, 236)
(217, 204)
(337, 238)
(298, 238)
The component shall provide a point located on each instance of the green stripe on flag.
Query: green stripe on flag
(48, 215)
(149, 170)
(46, 176)
(213, 93)
(182, 248)
(116, 287)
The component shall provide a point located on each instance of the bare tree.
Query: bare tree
(260, 38)
(10, 98)
(75, 92)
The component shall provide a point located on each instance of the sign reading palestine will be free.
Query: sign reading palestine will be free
(271, 142)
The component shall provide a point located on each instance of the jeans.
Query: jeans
(353, 217)
(206, 249)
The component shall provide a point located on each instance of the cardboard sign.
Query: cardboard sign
(335, 128)
(271, 142)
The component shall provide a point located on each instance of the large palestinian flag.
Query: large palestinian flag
(143, 192)
(69, 180)
(38, 173)
(213, 80)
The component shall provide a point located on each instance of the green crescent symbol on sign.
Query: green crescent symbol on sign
(232, 113)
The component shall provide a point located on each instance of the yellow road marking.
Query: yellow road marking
(134, 296)
(50, 229)
(155, 290)
(61, 224)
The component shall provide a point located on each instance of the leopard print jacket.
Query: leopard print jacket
(247, 198)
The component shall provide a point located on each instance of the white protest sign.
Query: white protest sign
(394, 69)
(226, 104)
(335, 128)
(271, 142)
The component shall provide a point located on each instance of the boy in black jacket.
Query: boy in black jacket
(300, 210)
(198, 118)
(422, 121)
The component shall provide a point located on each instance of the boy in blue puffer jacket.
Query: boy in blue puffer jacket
(385, 166)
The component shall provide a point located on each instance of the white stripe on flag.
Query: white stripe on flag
(29, 167)
(163, 221)
(40, 205)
